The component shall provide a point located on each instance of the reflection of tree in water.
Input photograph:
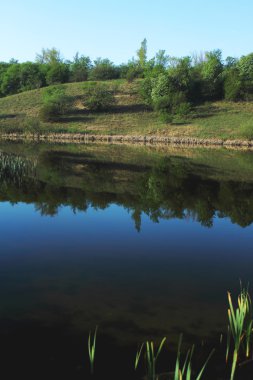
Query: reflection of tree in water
(172, 188)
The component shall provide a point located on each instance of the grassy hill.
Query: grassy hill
(129, 116)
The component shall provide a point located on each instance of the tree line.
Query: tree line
(171, 85)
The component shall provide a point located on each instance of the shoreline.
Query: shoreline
(129, 139)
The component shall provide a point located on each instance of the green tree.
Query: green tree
(80, 68)
(142, 54)
(245, 67)
(49, 56)
(31, 76)
(104, 69)
(57, 73)
(10, 83)
(211, 70)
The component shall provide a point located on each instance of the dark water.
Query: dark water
(142, 242)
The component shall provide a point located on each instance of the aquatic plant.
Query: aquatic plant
(185, 372)
(239, 328)
(92, 349)
(14, 168)
(150, 357)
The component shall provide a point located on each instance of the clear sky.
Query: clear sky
(115, 28)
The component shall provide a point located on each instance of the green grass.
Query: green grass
(129, 116)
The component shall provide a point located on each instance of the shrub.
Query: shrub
(146, 91)
(99, 98)
(55, 103)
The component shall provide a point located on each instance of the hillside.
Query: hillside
(129, 116)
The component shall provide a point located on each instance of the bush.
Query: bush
(55, 104)
(99, 98)
(146, 91)
(246, 130)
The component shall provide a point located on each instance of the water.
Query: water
(142, 242)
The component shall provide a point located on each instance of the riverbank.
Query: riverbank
(217, 123)
(129, 139)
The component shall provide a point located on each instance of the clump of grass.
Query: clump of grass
(185, 371)
(92, 349)
(239, 328)
(150, 357)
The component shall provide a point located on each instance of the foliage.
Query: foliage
(185, 371)
(245, 67)
(103, 69)
(10, 83)
(55, 103)
(142, 54)
(80, 68)
(49, 56)
(99, 98)
(240, 327)
(233, 86)
(57, 73)
(211, 71)
(150, 358)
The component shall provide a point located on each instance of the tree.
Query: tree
(142, 54)
(11, 80)
(211, 70)
(233, 85)
(161, 59)
(31, 76)
(80, 68)
(104, 69)
(49, 56)
(57, 73)
(245, 67)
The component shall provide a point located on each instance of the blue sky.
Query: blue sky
(114, 28)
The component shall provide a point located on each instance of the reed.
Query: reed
(92, 349)
(239, 328)
(185, 371)
(150, 357)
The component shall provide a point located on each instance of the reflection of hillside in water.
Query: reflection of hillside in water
(171, 187)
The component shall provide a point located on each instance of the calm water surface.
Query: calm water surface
(142, 242)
